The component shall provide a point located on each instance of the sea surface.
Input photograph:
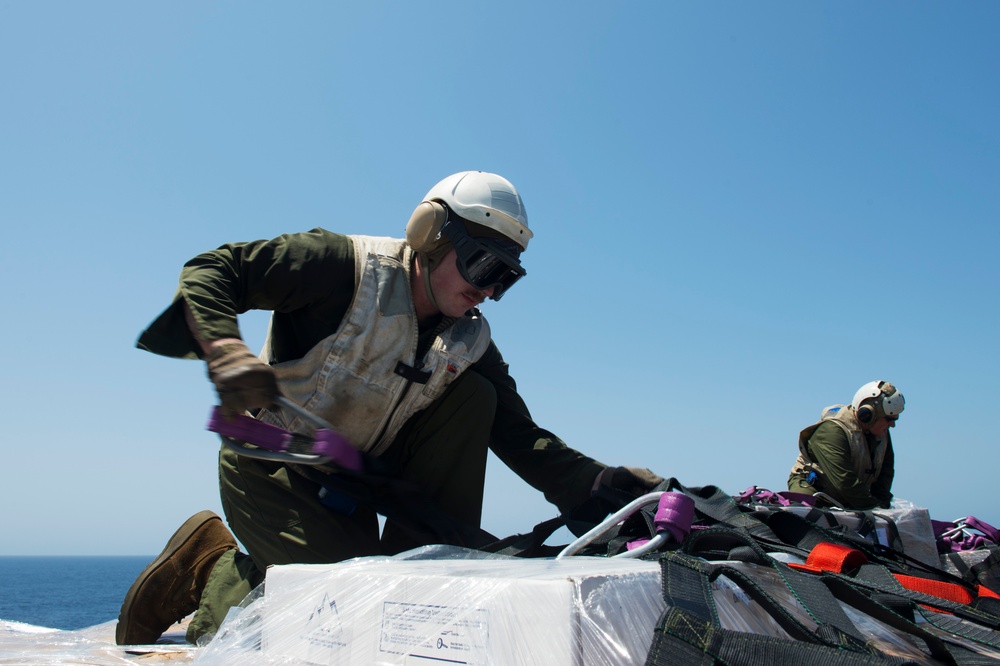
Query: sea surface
(65, 592)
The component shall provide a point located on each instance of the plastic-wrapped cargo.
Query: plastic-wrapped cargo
(913, 524)
(593, 611)
(471, 608)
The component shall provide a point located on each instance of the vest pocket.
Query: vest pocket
(442, 378)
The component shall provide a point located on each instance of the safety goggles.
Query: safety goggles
(484, 262)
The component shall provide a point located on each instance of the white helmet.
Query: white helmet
(486, 199)
(878, 399)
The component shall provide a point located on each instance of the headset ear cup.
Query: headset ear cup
(865, 413)
(425, 225)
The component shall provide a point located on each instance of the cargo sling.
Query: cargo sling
(909, 612)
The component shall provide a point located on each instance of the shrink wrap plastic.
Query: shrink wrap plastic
(469, 608)
(31, 645)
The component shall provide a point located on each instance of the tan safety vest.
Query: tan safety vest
(865, 466)
(355, 378)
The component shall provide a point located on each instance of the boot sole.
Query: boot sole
(176, 542)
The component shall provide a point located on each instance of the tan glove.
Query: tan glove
(241, 379)
(633, 480)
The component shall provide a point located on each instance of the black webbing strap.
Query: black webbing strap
(690, 642)
(987, 605)
(818, 601)
(892, 531)
(955, 625)
(822, 607)
(826, 633)
(712, 502)
(725, 543)
(806, 534)
(814, 597)
(684, 585)
(531, 544)
(876, 592)
(842, 589)
(875, 577)
(689, 632)
(956, 561)
(796, 530)
(942, 649)
(987, 572)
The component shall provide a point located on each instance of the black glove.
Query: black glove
(613, 488)
(635, 481)
(242, 380)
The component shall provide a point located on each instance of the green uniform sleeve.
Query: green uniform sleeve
(307, 279)
(831, 450)
(564, 475)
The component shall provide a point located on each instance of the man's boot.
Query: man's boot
(169, 589)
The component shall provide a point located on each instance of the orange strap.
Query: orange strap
(837, 558)
(834, 557)
(936, 588)
(983, 591)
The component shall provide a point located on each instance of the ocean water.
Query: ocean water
(66, 592)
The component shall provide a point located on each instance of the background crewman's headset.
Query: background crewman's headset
(876, 400)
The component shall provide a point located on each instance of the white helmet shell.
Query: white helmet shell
(892, 401)
(486, 199)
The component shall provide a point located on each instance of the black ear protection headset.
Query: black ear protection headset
(866, 414)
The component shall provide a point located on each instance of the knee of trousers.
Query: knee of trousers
(474, 395)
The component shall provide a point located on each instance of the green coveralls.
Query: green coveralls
(830, 449)
(307, 280)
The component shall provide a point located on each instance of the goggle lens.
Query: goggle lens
(483, 263)
(484, 269)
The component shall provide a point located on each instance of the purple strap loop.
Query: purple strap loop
(674, 514)
(324, 445)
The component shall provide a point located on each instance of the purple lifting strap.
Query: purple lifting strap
(992, 533)
(941, 526)
(326, 443)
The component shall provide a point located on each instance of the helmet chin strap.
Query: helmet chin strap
(426, 273)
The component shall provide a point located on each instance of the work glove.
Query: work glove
(242, 380)
(612, 489)
(635, 481)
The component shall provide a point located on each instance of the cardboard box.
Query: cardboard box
(573, 612)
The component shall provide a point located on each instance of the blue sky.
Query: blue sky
(742, 213)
